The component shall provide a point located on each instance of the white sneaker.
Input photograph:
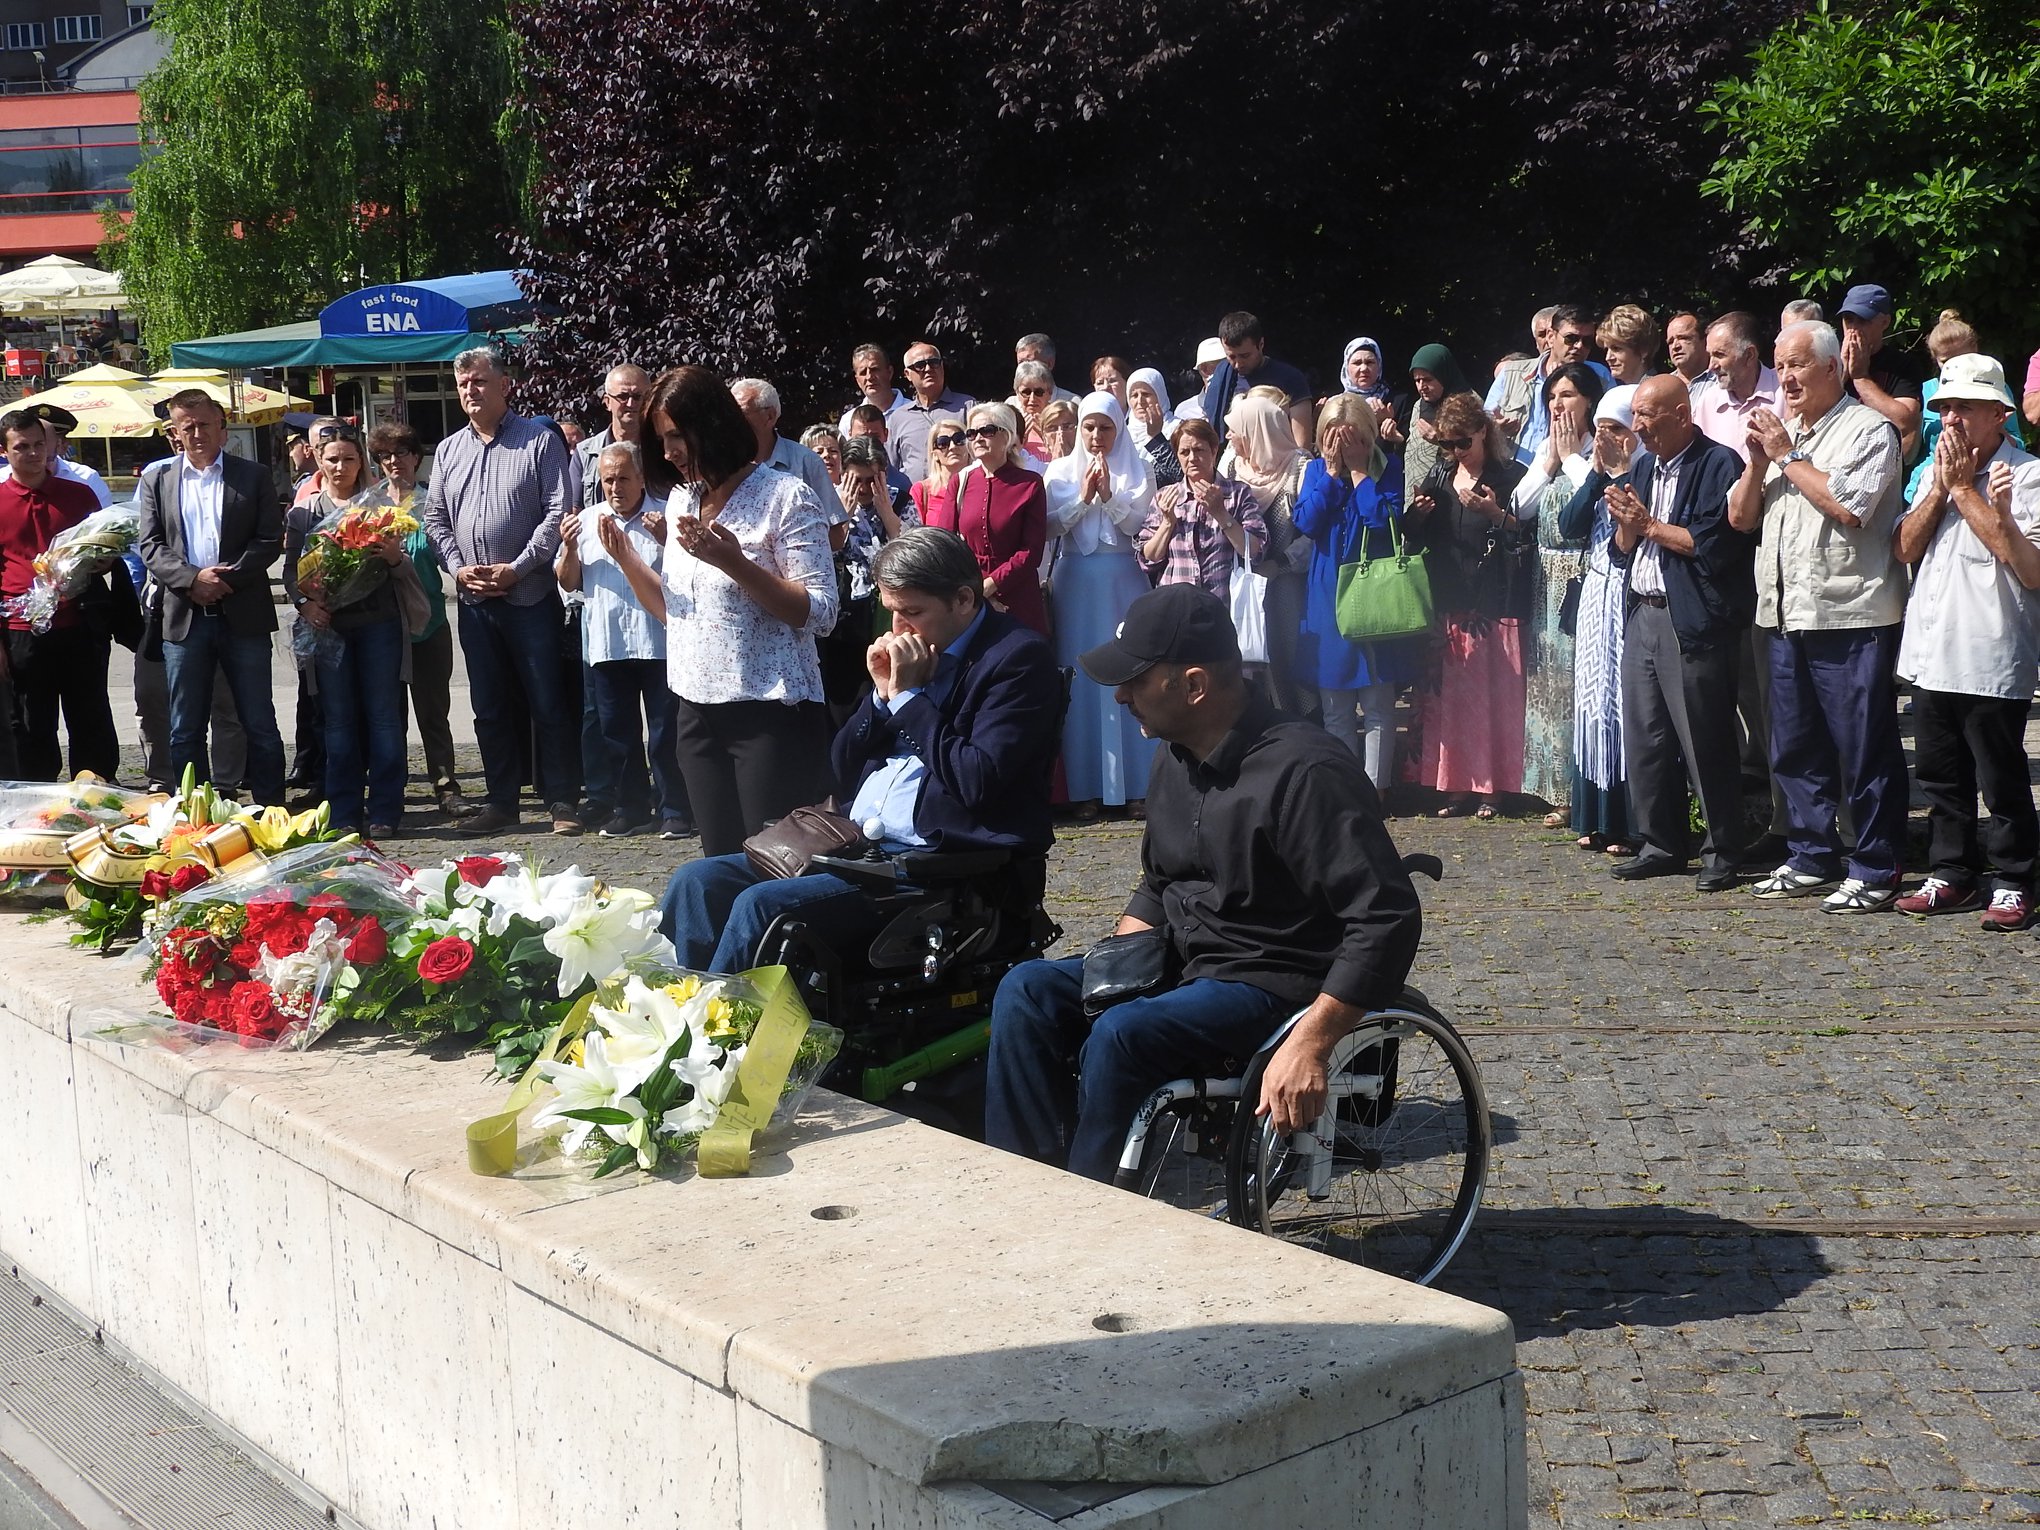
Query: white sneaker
(1856, 896)
(1788, 883)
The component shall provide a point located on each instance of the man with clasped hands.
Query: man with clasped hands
(1266, 865)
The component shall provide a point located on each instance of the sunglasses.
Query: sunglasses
(1456, 444)
(983, 432)
(1034, 393)
(943, 443)
(925, 364)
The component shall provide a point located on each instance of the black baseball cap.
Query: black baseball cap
(1176, 624)
(50, 414)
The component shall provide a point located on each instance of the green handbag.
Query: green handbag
(1384, 597)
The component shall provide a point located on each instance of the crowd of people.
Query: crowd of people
(1660, 568)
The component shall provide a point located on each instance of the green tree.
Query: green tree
(1900, 145)
(305, 147)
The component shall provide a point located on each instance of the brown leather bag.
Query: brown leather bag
(784, 848)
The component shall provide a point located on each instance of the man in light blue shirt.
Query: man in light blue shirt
(1572, 333)
(624, 648)
(760, 402)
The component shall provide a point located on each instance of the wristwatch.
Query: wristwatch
(1795, 455)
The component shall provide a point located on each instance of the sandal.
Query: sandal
(1616, 847)
(1485, 811)
(1590, 842)
(1557, 820)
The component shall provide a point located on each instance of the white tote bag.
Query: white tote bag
(1248, 597)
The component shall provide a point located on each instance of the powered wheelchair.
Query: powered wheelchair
(1390, 1176)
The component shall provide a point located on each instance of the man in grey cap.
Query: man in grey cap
(1266, 870)
(1881, 377)
(1971, 648)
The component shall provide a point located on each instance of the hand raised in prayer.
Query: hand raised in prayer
(1390, 434)
(878, 663)
(1855, 360)
(570, 529)
(1212, 498)
(913, 661)
(1768, 436)
(1626, 509)
(654, 522)
(713, 544)
(614, 539)
(1999, 488)
(1097, 485)
(1568, 429)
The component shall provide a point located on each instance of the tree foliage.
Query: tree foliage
(1900, 146)
(758, 186)
(307, 147)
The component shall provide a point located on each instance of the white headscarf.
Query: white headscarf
(1153, 379)
(1619, 405)
(1127, 468)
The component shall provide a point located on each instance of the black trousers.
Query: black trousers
(747, 763)
(1678, 725)
(64, 670)
(1961, 743)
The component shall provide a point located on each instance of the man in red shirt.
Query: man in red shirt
(66, 666)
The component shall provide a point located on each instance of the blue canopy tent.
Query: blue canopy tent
(382, 326)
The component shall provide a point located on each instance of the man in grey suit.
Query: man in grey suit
(211, 525)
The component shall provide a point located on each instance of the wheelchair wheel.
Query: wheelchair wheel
(1182, 1158)
(1392, 1175)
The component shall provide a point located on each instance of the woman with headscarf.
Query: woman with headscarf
(1147, 416)
(1364, 371)
(1436, 377)
(1570, 393)
(1098, 496)
(1263, 456)
(1472, 725)
(1600, 800)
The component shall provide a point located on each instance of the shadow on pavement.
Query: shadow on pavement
(1560, 1271)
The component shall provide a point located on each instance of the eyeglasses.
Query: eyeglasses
(1456, 444)
(626, 396)
(980, 432)
(1034, 393)
(393, 456)
(925, 364)
(943, 443)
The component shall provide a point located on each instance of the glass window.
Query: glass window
(137, 14)
(24, 35)
(77, 29)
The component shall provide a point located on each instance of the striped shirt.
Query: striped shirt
(501, 501)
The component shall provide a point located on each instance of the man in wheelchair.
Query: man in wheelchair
(1269, 879)
(951, 752)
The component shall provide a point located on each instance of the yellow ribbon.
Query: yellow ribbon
(725, 1151)
(492, 1141)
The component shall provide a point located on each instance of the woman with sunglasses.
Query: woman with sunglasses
(1033, 391)
(360, 651)
(1098, 498)
(948, 455)
(1472, 718)
(1001, 509)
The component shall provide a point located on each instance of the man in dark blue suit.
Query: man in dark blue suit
(1692, 597)
(952, 749)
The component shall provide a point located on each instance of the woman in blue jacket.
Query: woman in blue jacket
(1351, 496)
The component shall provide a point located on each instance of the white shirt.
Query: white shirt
(201, 500)
(1814, 575)
(1972, 629)
(1646, 571)
(721, 645)
(614, 622)
(843, 425)
(64, 467)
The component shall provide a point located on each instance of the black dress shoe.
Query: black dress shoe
(1644, 867)
(1719, 879)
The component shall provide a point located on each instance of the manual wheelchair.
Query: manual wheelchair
(1390, 1176)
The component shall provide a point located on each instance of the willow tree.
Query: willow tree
(301, 148)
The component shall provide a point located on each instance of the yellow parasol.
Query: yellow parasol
(110, 401)
(102, 408)
(242, 400)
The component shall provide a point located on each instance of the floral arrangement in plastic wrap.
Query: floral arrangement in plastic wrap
(75, 557)
(266, 955)
(342, 563)
(38, 818)
(660, 1061)
(121, 871)
(496, 952)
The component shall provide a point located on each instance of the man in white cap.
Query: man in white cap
(1971, 648)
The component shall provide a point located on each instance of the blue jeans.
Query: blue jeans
(189, 666)
(517, 672)
(361, 695)
(1834, 735)
(716, 911)
(1059, 1080)
(619, 688)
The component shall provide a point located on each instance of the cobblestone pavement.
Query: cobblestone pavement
(1763, 1205)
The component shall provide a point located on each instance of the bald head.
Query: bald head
(1664, 415)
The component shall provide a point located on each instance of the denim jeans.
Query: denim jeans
(361, 695)
(717, 910)
(516, 670)
(1056, 1078)
(213, 646)
(620, 689)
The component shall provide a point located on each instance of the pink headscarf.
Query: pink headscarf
(1263, 447)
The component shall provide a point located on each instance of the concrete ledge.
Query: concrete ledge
(294, 1242)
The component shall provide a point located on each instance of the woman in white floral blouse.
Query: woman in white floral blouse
(748, 584)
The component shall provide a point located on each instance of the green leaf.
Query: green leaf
(601, 1115)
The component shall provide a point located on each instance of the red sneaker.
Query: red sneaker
(2008, 910)
(1937, 895)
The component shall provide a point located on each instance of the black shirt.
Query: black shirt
(1268, 864)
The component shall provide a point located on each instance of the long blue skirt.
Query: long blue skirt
(1105, 755)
